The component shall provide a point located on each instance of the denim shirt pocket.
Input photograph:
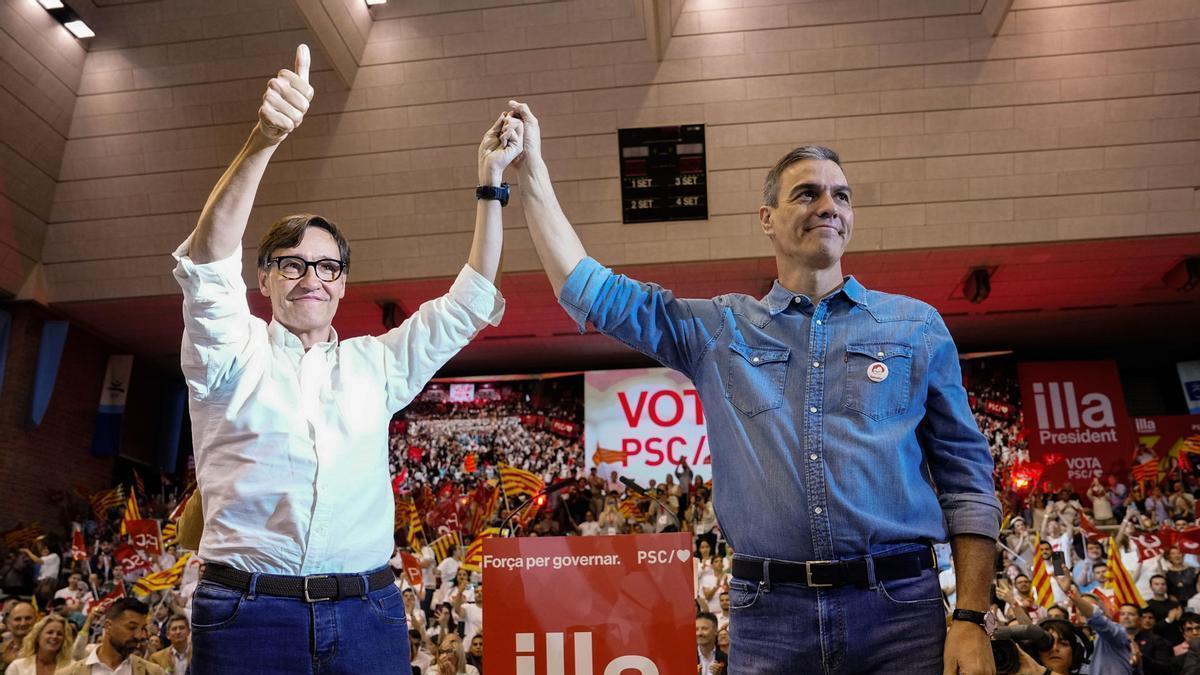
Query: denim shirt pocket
(881, 399)
(755, 377)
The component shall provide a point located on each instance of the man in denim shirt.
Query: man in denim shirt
(840, 432)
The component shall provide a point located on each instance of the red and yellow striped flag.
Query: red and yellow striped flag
(1124, 590)
(473, 560)
(444, 545)
(631, 509)
(132, 512)
(519, 481)
(603, 456)
(1041, 577)
(162, 580)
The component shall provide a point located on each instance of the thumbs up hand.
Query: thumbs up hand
(286, 100)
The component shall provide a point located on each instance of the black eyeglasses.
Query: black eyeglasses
(294, 267)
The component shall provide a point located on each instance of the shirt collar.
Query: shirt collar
(282, 337)
(779, 298)
(94, 658)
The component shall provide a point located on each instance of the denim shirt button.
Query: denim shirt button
(812, 410)
(818, 322)
(817, 510)
(755, 359)
(816, 364)
(813, 456)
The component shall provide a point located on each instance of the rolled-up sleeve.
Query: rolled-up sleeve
(960, 461)
(217, 322)
(643, 316)
(438, 330)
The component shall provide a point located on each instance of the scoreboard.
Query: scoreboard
(663, 174)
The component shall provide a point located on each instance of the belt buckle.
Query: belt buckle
(307, 596)
(808, 580)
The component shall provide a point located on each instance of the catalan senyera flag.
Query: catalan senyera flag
(1124, 590)
(605, 456)
(444, 545)
(519, 481)
(162, 580)
(1041, 578)
(22, 536)
(407, 514)
(132, 512)
(473, 560)
(1147, 470)
(483, 501)
(104, 500)
(631, 509)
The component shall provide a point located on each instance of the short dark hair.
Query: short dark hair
(770, 194)
(708, 616)
(126, 605)
(1130, 604)
(1158, 576)
(1146, 610)
(289, 231)
(1189, 617)
(177, 617)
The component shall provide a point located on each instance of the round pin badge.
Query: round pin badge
(877, 372)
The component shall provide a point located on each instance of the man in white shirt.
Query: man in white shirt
(290, 423)
(470, 614)
(124, 636)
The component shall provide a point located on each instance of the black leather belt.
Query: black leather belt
(313, 588)
(831, 573)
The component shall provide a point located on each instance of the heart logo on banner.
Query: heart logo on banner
(683, 554)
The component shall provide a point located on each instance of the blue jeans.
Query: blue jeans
(781, 629)
(235, 632)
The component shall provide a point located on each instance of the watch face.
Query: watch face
(989, 623)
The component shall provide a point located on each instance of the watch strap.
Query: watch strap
(493, 192)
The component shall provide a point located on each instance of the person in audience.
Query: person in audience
(17, 623)
(46, 648)
(710, 659)
(123, 637)
(177, 656)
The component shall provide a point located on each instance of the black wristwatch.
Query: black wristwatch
(985, 620)
(500, 194)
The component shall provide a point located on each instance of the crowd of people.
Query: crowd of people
(54, 618)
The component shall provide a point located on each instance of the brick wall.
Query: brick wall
(57, 454)
(40, 67)
(1079, 120)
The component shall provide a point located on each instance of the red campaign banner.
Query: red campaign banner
(1165, 435)
(129, 559)
(1001, 409)
(144, 535)
(1075, 420)
(564, 428)
(412, 569)
(629, 609)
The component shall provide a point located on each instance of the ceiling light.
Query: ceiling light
(79, 29)
(50, 4)
(375, 2)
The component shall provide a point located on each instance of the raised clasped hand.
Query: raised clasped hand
(502, 144)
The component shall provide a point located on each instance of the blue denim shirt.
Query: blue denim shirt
(1111, 646)
(813, 460)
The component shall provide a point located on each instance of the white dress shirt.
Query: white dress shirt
(291, 446)
(98, 667)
